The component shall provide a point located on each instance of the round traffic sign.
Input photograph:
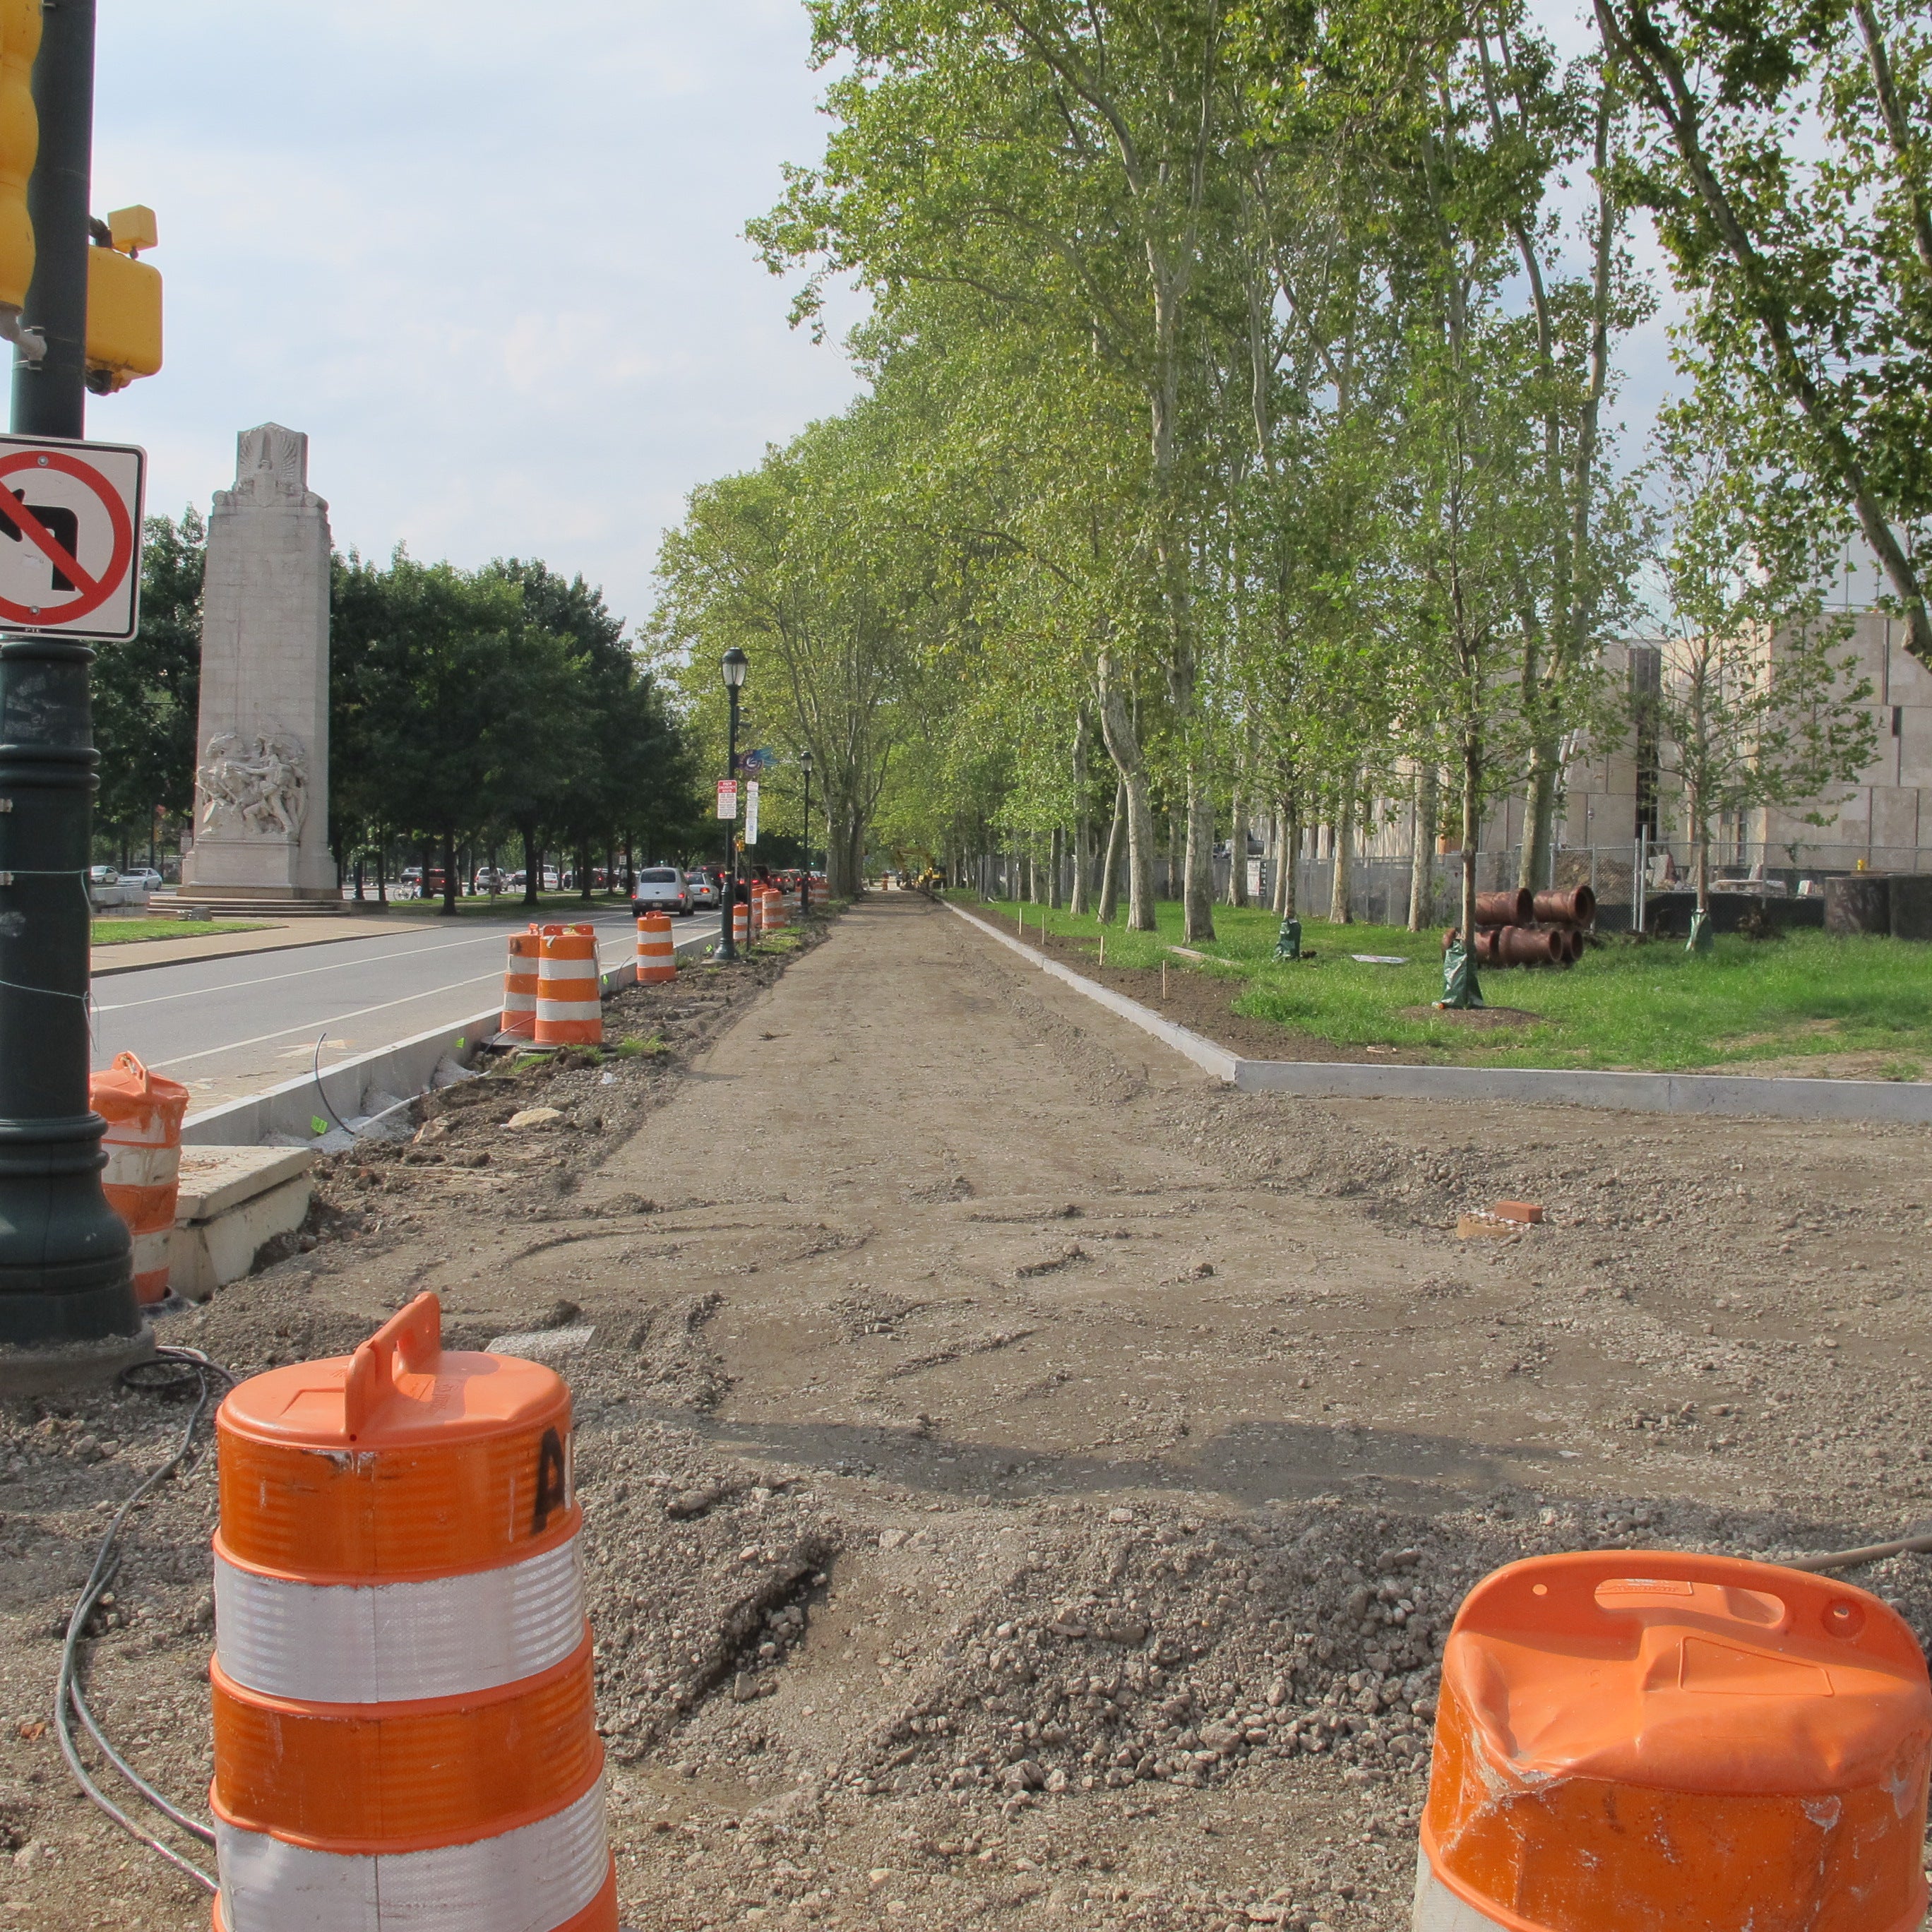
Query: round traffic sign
(93, 588)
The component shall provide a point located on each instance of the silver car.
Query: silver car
(660, 889)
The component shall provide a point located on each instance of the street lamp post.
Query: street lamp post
(805, 872)
(735, 665)
(68, 1310)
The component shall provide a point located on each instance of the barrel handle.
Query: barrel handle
(1559, 1592)
(413, 1337)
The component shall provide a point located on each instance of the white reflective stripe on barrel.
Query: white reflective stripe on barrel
(569, 1009)
(531, 1879)
(519, 1002)
(140, 1166)
(151, 1251)
(568, 969)
(379, 1643)
(1439, 1909)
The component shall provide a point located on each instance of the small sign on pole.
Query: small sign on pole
(727, 798)
(70, 537)
(752, 811)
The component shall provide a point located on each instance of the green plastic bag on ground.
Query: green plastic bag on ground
(1460, 988)
(1287, 945)
(1701, 936)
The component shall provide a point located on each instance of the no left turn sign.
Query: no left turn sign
(70, 537)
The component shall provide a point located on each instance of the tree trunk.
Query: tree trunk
(583, 871)
(1700, 825)
(1472, 784)
(1237, 849)
(1083, 830)
(1287, 901)
(1109, 901)
(1123, 746)
(1422, 860)
(1058, 861)
(1177, 851)
(382, 871)
(1197, 910)
(1344, 842)
(532, 863)
(1539, 817)
(449, 869)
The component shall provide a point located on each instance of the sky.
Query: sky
(490, 257)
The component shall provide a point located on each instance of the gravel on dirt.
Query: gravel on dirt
(1024, 1481)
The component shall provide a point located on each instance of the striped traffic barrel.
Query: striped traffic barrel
(570, 1005)
(519, 985)
(1651, 1738)
(144, 1112)
(405, 1735)
(657, 959)
(741, 923)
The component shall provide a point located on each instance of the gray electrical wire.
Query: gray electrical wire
(68, 1695)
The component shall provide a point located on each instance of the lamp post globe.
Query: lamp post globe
(735, 664)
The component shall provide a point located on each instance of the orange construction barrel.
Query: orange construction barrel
(144, 1112)
(519, 985)
(741, 924)
(570, 989)
(404, 1730)
(657, 957)
(1648, 1741)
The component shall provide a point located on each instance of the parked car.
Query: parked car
(489, 879)
(705, 888)
(660, 889)
(145, 877)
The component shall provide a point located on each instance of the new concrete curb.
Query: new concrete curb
(401, 1069)
(1904, 1102)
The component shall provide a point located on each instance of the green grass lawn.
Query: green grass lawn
(1628, 1005)
(127, 931)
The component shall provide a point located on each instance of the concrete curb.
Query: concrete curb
(1906, 1102)
(403, 1069)
(1215, 1060)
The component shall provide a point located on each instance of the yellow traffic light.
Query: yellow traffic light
(124, 305)
(19, 144)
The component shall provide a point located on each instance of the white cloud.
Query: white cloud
(489, 256)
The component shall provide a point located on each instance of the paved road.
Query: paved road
(228, 1027)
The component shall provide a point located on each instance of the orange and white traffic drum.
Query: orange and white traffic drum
(405, 1739)
(657, 956)
(570, 994)
(1651, 1740)
(144, 1112)
(519, 985)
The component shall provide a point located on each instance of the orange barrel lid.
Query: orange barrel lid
(1630, 1738)
(129, 1090)
(400, 1462)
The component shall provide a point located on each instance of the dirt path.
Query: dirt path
(1027, 1483)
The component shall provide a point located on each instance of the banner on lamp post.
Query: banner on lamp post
(750, 811)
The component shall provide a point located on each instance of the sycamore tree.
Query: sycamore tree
(1064, 158)
(1788, 158)
(1758, 702)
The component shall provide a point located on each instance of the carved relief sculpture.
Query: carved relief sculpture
(260, 787)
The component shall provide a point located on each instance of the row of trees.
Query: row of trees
(1241, 438)
(469, 711)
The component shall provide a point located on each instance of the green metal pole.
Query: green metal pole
(68, 1310)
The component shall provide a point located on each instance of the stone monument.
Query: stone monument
(261, 808)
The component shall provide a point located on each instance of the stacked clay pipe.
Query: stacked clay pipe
(1526, 928)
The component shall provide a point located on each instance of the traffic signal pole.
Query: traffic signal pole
(68, 1310)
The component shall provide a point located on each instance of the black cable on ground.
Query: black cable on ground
(173, 1371)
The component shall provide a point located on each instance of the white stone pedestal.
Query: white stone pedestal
(262, 782)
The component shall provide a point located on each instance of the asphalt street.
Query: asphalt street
(228, 1027)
